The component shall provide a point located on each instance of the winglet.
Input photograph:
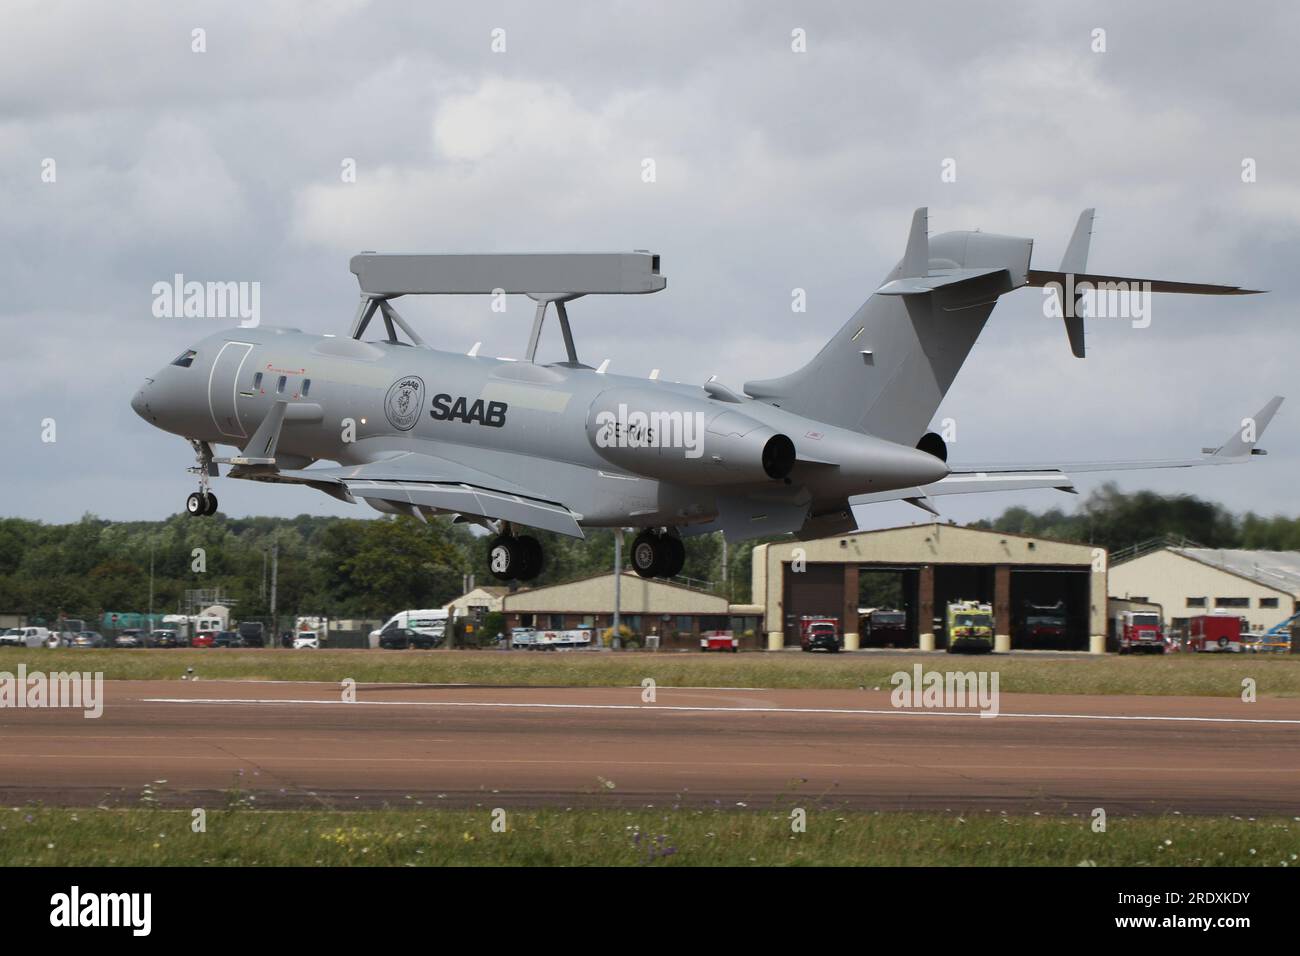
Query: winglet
(916, 260)
(1076, 260)
(1241, 443)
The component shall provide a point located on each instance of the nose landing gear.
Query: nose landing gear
(658, 554)
(202, 502)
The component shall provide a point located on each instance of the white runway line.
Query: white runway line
(710, 710)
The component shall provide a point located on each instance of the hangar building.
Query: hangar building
(1027, 580)
(1261, 586)
(676, 614)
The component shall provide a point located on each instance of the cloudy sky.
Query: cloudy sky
(774, 170)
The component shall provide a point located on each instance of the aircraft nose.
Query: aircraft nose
(140, 401)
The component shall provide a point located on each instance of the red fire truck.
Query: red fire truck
(1139, 632)
(819, 633)
(1216, 633)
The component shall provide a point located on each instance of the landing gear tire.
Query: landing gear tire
(212, 504)
(534, 560)
(648, 554)
(675, 557)
(505, 558)
(196, 505)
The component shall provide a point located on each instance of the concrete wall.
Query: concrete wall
(1169, 579)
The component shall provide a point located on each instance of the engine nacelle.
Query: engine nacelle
(662, 434)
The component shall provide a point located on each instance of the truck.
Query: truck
(1214, 633)
(531, 639)
(1139, 632)
(820, 632)
(883, 627)
(310, 632)
(251, 634)
(970, 627)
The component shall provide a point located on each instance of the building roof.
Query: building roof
(1271, 569)
(594, 594)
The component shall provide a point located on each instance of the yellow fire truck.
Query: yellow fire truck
(970, 627)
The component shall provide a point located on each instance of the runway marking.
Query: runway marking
(711, 710)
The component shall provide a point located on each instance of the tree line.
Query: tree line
(369, 568)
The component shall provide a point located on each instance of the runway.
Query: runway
(271, 744)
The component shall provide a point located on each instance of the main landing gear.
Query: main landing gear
(658, 554)
(512, 558)
(202, 502)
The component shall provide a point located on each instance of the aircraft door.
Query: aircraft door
(223, 388)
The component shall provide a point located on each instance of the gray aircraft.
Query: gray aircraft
(512, 444)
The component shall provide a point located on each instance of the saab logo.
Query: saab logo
(445, 408)
(404, 403)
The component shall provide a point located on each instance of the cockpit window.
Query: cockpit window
(186, 358)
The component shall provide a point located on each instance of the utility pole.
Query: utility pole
(618, 581)
(275, 569)
(149, 626)
(724, 565)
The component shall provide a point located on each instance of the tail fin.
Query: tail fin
(887, 369)
(1076, 260)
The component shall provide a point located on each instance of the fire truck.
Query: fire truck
(1139, 632)
(1214, 633)
(970, 627)
(819, 632)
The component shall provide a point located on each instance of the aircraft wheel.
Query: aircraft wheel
(648, 554)
(505, 558)
(674, 556)
(534, 559)
(196, 505)
(212, 504)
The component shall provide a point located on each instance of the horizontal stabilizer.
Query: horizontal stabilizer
(919, 285)
(1041, 277)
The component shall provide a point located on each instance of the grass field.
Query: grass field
(646, 837)
(1208, 675)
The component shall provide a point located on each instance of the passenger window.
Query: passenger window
(186, 358)
(306, 387)
(257, 381)
(280, 386)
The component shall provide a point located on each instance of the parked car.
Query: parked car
(131, 637)
(819, 633)
(14, 636)
(87, 639)
(227, 639)
(400, 638)
(306, 641)
(203, 639)
(166, 638)
(252, 634)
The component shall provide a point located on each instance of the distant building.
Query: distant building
(479, 601)
(674, 613)
(1261, 586)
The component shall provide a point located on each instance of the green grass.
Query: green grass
(1208, 675)
(642, 837)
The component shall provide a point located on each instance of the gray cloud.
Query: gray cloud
(775, 170)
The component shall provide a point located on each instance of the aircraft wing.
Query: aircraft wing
(1239, 447)
(409, 482)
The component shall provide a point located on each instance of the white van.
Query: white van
(31, 637)
(433, 623)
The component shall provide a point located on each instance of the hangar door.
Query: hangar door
(1050, 608)
(817, 590)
